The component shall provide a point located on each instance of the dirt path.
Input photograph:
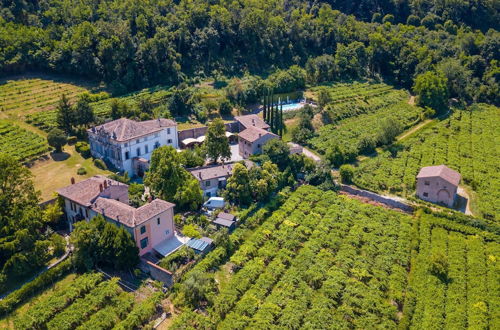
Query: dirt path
(414, 129)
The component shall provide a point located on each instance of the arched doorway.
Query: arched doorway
(444, 196)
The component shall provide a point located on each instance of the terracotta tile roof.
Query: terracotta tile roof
(127, 214)
(214, 171)
(84, 192)
(442, 171)
(252, 134)
(124, 129)
(251, 121)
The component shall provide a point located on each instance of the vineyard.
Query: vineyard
(454, 278)
(47, 120)
(21, 143)
(87, 302)
(357, 115)
(25, 96)
(320, 259)
(467, 141)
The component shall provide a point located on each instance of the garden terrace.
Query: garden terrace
(466, 141)
(320, 258)
(21, 143)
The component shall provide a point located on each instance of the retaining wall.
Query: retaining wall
(378, 198)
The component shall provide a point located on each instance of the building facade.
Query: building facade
(438, 184)
(150, 225)
(128, 144)
(252, 139)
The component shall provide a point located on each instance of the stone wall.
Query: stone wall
(391, 202)
(160, 274)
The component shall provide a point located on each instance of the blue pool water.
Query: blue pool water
(292, 106)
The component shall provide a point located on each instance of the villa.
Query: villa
(252, 139)
(151, 225)
(128, 144)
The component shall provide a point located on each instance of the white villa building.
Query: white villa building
(128, 144)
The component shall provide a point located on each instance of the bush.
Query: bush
(191, 231)
(346, 173)
(58, 245)
(81, 171)
(72, 140)
(99, 163)
(83, 148)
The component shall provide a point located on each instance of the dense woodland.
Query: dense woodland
(134, 44)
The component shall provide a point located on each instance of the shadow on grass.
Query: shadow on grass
(59, 156)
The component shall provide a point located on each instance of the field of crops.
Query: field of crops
(319, 260)
(467, 141)
(348, 100)
(21, 143)
(25, 96)
(47, 120)
(465, 293)
(87, 302)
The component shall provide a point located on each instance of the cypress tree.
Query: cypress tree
(271, 115)
(265, 108)
(282, 124)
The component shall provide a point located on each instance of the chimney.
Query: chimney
(72, 180)
(199, 174)
(150, 199)
(105, 184)
(100, 187)
(260, 134)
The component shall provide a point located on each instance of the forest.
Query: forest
(131, 45)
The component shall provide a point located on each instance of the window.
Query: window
(86, 213)
(138, 141)
(207, 183)
(426, 194)
(144, 243)
(138, 152)
(146, 148)
(143, 229)
(258, 146)
(127, 156)
(168, 130)
(167, 232)
(169, 141)
(157, 145)
(126, 144)
(427, 183)
(158, 221)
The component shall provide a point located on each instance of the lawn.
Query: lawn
(57, 171)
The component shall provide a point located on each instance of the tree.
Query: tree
(168, 179)
(389, 129)
(197, 288)
(84, 114)
(346, 173)
(115, 109)
(323, 98)
(65, 114)
(238, 189)
(192, 157)
(264, 180)
(225, 107)
(305, 130)
(431, 89)
(216, 143)
(191, 231)
(278, 152)
(438, 265)
(99, 242)
(57, 139)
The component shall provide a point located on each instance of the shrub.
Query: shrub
(83, 148)
(346, 173)
(99, 163)
(81, 171)
(191, 231)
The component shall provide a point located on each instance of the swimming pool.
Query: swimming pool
(292, 106)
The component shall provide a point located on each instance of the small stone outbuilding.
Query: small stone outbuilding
(438, 184)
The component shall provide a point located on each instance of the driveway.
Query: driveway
(235, 155)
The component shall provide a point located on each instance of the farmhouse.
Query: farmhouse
(128, 144)
(214, 177)
(151, 225)
(247, 121)
(252, 139)
(438, 184)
